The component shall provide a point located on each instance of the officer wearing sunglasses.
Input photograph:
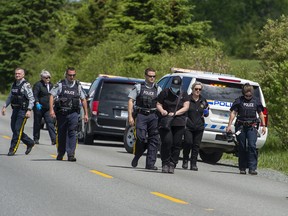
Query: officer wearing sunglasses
(67, 95)
(245, 109)
(198, 109)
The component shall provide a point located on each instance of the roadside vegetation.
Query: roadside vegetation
(245, 38)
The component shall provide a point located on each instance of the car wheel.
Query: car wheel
(88, 139)
(129, 138)
(210, 157)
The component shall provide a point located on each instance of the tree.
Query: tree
(273, 51)
(238, 22)
(21, 22)
(89, 29)
(165, 24)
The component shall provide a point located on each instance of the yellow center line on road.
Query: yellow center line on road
(101, 174)
(7, 137)
(53, 156)
(169, 198)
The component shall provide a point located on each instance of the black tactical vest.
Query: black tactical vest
(147, 97)
(247, 110)
(69, 97)
(18, 99)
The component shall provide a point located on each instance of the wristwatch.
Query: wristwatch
(29, 109)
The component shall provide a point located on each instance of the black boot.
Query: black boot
(193, 165)
(185, 164)
(134, 162)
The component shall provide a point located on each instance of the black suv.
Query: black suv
(108, 107)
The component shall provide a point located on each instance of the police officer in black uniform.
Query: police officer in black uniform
(41, 109)
(198, 109)
(146, 121)
(22, 100)
(69, 92)
(246, 108)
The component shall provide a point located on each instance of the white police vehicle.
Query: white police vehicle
(220, 90)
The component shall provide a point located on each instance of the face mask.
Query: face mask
(174, 90)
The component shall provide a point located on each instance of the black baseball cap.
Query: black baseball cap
(176, 82)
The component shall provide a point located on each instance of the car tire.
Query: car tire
(129, 138)
(87, 138)
(210, 157)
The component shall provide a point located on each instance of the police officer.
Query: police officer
(41, 109)
(22, 100)
(69, 92)
(147, 121)
(198, 109)
(245, 108)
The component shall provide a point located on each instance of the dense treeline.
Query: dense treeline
(124, 37)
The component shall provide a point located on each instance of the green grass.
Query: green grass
(276, 160)
(3, 97)
(272, 156)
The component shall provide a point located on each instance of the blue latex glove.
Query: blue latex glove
(206, 112)
(38, 106)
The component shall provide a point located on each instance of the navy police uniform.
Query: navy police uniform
(67, 108)
(21, 99)
(41, 95)
(146, 123)
(246, 130)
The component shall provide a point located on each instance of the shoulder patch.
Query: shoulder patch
(28, 85)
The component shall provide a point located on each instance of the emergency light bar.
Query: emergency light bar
(182, 70)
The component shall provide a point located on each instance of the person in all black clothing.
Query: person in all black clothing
(198, 109)
(41, 109)
(172, 139)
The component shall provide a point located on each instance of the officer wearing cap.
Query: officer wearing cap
(41, 109)
(22, 100)
(245, 108)
(67, 94)
(173, 102)
(144, 96)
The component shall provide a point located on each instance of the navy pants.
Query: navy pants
(38, 115)
(248, 156)
(171, 143)
(67, 133)
(147, 137)
(17, 124)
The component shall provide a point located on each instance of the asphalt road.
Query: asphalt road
(102, 182)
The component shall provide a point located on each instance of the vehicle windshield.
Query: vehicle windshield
(223, 91)
(116, 91)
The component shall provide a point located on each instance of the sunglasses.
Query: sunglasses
(151, 76)
(197, 89)
(47, 77)
(71, 75)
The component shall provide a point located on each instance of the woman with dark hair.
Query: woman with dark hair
(198, 109)
(172, 102)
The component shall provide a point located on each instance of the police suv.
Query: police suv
(220, 90)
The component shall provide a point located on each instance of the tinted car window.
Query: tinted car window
(222, 91)
(116, 91)
(163, 83)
